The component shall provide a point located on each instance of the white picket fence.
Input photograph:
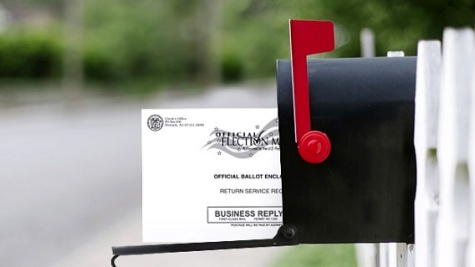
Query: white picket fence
(444, 139)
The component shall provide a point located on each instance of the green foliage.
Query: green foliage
(319, 256)
(256, 34)
(397, 25)
(140, 38)
(166, 40)
(29, 55)
(98, 66)
(231, 68)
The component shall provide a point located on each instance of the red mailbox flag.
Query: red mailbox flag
(308, 37)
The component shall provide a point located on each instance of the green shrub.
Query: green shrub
(98, 66)
(29, 56)
(231, 68)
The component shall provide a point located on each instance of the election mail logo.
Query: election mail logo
(243, 144)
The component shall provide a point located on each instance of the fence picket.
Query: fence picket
(452, 229)
(384, 255)
(429, 60)
(471, 171)
(398, 255)
(367, 255)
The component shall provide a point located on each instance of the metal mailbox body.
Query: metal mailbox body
(365, 190)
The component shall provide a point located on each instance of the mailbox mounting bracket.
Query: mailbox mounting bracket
(287, 235)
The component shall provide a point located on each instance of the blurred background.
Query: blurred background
(74, 75)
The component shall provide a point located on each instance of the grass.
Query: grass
(318, 256)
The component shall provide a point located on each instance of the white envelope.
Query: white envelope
(210, 175)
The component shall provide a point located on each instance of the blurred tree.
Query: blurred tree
(74, 45)
(135, 37)
(398, 25)
(209, 43)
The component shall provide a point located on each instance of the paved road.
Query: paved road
(70, 182)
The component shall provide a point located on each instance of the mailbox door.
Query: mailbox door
(365, 190)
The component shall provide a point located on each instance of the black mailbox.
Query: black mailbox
(364, 191)
(346, 138)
